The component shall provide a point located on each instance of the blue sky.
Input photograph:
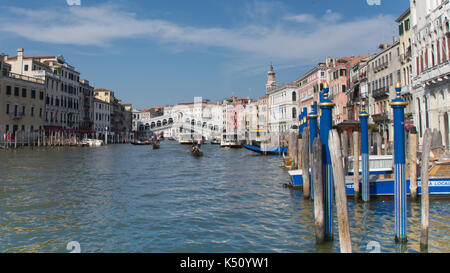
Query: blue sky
(165, 52)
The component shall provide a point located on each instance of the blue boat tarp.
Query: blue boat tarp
(271, 151)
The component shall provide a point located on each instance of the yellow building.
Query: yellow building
(22, 102)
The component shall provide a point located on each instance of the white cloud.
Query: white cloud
(301, 18)
(102, 25)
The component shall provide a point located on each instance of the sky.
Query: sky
(167, 52)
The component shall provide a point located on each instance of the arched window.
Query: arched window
(294, 113)
(294, 96)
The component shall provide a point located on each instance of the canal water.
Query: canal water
(124, 198)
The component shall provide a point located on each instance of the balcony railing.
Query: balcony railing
(380, 93)
(23, 78)
(381, 67)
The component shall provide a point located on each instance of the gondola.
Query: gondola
(139, 142)
(156, 145)
(196, 152)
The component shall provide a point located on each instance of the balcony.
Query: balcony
(380, 93)
(435, 74)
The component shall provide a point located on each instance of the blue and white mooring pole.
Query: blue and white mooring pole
(313, 115)
(398, 105)
(300, 126)
(326, 106)
(363, 117)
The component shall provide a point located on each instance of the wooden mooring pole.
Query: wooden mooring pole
(356, 163)
(425, 202)
(340, 192)
(319, 216)
(413, 164)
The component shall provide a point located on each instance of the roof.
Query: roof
(102, 90)
(403, 15)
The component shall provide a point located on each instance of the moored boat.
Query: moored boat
(91, 142)
(141, 142)
(267, 151)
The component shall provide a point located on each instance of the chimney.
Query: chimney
(20, 54)
(394, 39)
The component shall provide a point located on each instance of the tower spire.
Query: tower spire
(271, 83)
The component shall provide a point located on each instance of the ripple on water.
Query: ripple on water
(124, 198)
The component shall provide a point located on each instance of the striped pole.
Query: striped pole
(398, 105)
(363, 116)
(326, 106)
(312, 135)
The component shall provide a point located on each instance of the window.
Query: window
(294, 96)
(407, 25)
(26, 67)
(32, 111)
(294, 113)
(23, 110)
(40, 112)
(16, 91)
(400, 29)
(33, 93)
(8, 90)
(344, 88)
(41, 95)
(7, 108)
(24, 92)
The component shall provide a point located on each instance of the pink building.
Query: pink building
(310, 84)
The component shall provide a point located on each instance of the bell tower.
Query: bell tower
(271, 83)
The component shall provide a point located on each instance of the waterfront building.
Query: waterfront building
(384, 70)
(338, 89)
(69, 90)
(310, 84)
(431, 69)
(87, 106)
(353, 67)
(120, 123)
(233, 119)
(22, 102)
(283, 109)
(102, 117)
(405, 32)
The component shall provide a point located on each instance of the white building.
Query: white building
(431, 66)
(283, 109)
(102, 116)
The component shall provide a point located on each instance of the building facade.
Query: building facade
(102, 117)
(383, 74)
(22, 103)
(431, 66)
(87, 106)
